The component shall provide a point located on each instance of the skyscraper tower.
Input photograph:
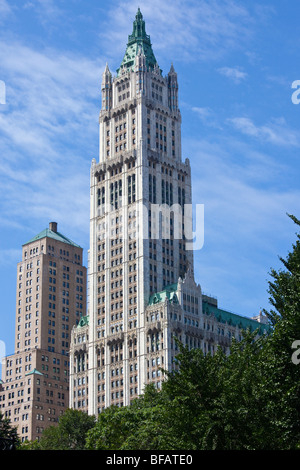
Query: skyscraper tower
(141, 287)
(51, 299)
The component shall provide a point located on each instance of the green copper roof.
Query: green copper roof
(233, 319)
(222, 316)
(138, 39)
(84, 321)
(168, 293)
(51, 234)
(34, 372)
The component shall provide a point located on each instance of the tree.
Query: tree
(142, 425)
(284, 293)
(284, 290)
(215, 401)
(69, 434)
(249, 399)
(8, 434)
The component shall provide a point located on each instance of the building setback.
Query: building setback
(51, 299)
(141, 288)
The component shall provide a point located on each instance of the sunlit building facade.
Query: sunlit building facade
(142, 293)
(51, 299)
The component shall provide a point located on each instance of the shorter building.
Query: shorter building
(51, 299)
(133, 357)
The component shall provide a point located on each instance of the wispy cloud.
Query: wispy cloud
(193, 30)
(51, 102)
(4, 8)
(276, 131)
(206, 115)
(9, 257)
(245, 216)
(46, 10)
(203, 113)
(50, 97)
(233, 73)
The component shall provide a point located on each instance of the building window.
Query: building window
(131, 188)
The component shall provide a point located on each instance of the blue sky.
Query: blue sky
(236, 62)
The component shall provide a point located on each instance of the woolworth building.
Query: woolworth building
(142, 293)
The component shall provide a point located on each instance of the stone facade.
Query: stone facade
(141, 287)
(51, 299)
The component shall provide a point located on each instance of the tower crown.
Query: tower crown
(138, 41)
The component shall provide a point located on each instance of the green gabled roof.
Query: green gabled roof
(233, 319)
(168, 293)
(138, 40)
(51, 234)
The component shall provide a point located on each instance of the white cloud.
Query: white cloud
(276, 131)
(203, 113)
(245, 225)
(207, 116)
(238, 186)
(245, 125)
(52, 106)
(185, 30)
(46, 10)
(234, 73)
(4, 8)
(10, 256)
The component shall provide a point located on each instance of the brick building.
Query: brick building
(51, 299)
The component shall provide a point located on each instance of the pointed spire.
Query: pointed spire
(139, 25)
(136, 41)
(172, 89)
(106, 89)
(139, 15)
(107, 71)
(172, 70)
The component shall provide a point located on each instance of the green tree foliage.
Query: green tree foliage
(8, 433)
(249, 399)
(213, 398)
(284, 290)
(142, 425)
(211, 402)
(69, 434)
(246, 400)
